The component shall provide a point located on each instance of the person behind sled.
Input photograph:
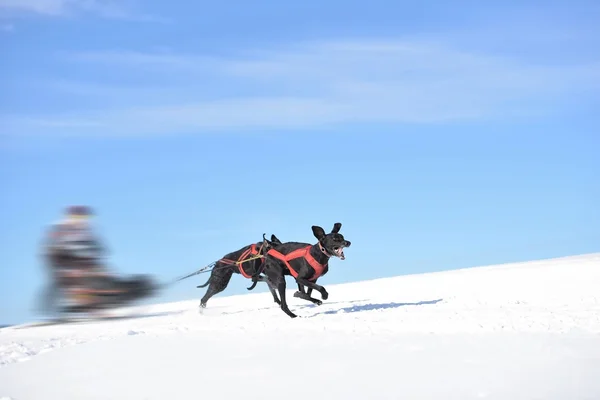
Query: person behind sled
(73, 254)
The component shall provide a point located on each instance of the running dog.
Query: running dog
(305, 262)
(247, 261)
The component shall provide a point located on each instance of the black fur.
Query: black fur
(222, 271)
(275, 269)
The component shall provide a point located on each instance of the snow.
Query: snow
(516, 331)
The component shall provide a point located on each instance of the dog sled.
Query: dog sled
(78, 292)
(79, 282)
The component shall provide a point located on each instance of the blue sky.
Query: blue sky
(441, 136)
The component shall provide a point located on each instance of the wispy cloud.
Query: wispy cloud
(56, 8)
(49, 7)
(317, 84)
(134, 59)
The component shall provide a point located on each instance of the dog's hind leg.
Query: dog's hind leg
(218, 282)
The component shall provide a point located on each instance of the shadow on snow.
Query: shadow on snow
(277, 307)
(375, 307)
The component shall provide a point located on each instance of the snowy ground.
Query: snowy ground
(510, 332)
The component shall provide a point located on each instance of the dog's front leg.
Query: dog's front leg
(274, 271)
(281, 287)
(262, 278)
(302, 294)
(273, 291)
(301, 290)
(311, 285)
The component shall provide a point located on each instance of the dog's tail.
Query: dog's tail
(205, 284)
(254, 282)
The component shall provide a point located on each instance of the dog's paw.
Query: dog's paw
(318, 302)
(324, 295)
(298, 294)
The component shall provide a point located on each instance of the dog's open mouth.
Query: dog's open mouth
(339, 251)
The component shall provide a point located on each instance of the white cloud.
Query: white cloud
(51, 7)
(116, 9)
(319, 84)
(134, 59)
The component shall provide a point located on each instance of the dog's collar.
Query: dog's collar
(324, 251)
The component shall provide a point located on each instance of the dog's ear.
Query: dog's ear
(318, 232)
(336, 227)
(275, 239)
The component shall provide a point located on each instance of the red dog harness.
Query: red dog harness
(303, 252)
(245, 255)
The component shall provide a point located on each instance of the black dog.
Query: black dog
(305, 262)
(247, 261)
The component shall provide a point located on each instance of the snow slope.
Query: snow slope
(516, 331)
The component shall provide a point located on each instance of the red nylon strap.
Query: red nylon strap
(244, 256)
(303, 252)
(252, 250)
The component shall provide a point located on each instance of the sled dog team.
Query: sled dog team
(271, 260)
(73, 254)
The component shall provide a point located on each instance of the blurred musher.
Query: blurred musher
(73, 254)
